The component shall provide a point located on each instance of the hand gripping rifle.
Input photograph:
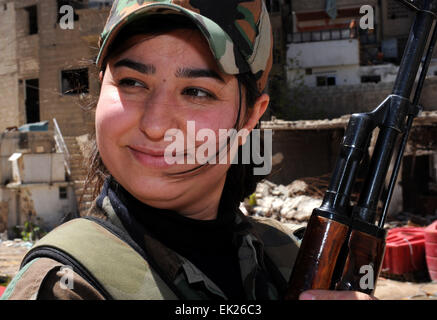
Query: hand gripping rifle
(341, 239)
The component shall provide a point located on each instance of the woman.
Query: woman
(170, 70)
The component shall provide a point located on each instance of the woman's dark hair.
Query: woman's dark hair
(240, 179)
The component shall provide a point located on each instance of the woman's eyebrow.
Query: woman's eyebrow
(137, 66)
(198, 73)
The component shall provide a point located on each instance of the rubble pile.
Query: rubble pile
(288, 204)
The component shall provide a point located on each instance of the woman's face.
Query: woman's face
(156, 85)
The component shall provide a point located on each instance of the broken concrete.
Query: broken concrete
(286, 204)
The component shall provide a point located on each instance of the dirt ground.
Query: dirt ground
(387, 289)
(12, 252)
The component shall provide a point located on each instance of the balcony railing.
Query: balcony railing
(324, 35)
(366, 37)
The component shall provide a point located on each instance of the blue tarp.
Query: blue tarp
(331, 8)
(36, 126)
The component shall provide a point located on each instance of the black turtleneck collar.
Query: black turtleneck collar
(209, 244)
(175, 230)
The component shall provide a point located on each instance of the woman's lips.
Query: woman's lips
(148, 157)
(154, 158)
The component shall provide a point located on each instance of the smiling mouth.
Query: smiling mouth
(151, 158)
(148, 151)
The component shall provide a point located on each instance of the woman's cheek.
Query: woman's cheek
(112, 116)
(215, 119)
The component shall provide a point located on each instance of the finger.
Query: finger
(334, 295)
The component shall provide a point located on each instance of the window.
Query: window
(325, 81)
(75, 81)
(63, 193)
(32, 14)
(370, 79)
(32, 101)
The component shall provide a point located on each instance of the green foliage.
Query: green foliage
(30, 231)
(252, 200)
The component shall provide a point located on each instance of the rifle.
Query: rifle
(344, 244)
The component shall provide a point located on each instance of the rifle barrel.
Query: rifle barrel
(410, 119)
(394, 123)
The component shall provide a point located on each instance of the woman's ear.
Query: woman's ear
(101, 76)
(255, 113)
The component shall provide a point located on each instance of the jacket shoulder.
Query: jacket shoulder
(273, 229)
(280, 242)
(47, 279)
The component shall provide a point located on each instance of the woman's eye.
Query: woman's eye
(198, 93)
(131, 83)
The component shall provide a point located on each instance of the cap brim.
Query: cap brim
(218, 40)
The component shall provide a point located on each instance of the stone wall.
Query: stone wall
(304, 153)
(67, 50)
(336, 101)
(8, 67)
(44, 56)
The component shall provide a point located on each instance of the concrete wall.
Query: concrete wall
(27, 142)
(67, 50)
(399, 27)
(344, 75)
(46, 202)
(38, 168)
(43, 56)
(333, 102)
(4, 209)
(352, 74)
(319, 5)
(39, 203)
(335, 53)
(9, 114)
(306, 153)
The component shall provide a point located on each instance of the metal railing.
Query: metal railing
(324, 35)
(62, 147)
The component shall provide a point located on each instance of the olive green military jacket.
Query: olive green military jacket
(265, 244)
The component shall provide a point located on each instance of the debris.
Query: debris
(291, 204)
(17, 243)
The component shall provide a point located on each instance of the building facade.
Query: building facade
(341, 46)
(46, 67)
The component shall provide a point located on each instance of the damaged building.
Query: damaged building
(305, 153)
(359, 64)
(47, 72)
(34, 184)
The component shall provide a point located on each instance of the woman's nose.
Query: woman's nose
(158, 115)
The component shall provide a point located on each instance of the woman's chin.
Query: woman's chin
(152, 190)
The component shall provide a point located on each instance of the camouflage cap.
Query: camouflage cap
(238, 31)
